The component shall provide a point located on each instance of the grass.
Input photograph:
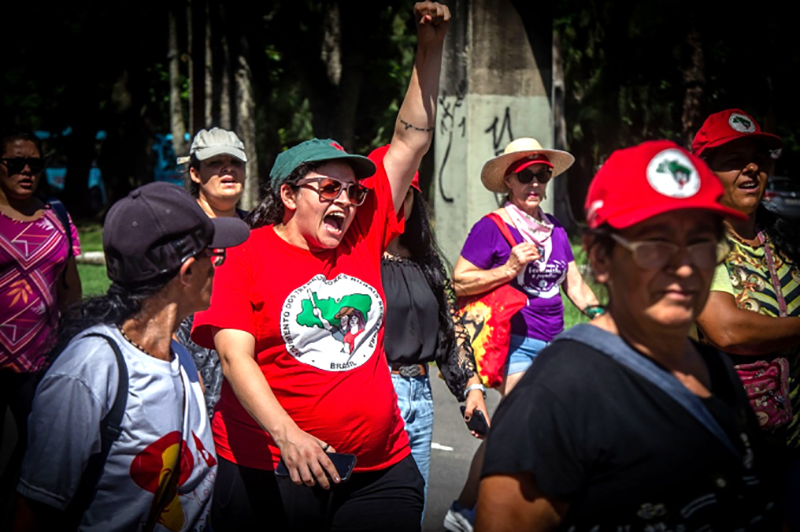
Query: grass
(94, 280)
(572, 315)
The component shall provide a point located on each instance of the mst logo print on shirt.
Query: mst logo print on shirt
(332, 324)
(154, 470)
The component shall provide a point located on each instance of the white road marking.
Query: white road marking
(440, 447)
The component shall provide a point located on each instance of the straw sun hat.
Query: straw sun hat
(523, 149)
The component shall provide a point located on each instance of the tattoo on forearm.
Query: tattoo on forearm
(408, 126)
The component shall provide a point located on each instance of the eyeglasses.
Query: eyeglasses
(654, 255)
(542, 176)
(329, 189)
(217, 255)
(16, 165)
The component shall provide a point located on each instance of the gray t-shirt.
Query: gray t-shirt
(77, 392)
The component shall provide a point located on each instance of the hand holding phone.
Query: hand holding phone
(343, 462)
(477, 422)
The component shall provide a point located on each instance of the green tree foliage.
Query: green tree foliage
(104, 66)
(628, 68)
(337, 68)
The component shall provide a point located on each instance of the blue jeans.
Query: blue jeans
(415, 400)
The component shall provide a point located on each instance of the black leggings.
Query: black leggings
(251, 499)
(16, 394)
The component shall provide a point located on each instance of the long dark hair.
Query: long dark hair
(194, 188)
(419, 240)
(271, 209)
(117, 305)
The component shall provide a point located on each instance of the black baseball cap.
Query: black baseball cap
(151, 232)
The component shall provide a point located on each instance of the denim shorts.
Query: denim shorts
(521, 352)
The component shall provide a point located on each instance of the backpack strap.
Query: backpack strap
(616, 348)
(110, 429)
(63, 217)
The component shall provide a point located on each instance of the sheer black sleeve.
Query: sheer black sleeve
(454, 355)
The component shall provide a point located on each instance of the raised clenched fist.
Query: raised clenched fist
(432, 19)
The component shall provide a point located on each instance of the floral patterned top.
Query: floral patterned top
(33, 254)
(762, 280)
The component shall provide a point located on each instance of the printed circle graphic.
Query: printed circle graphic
(333, 324)
(672, 174)
(741, 123)
(152, 470)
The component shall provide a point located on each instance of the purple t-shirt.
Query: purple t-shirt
(543, 317)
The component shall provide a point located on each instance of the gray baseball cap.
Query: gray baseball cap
(216, 141)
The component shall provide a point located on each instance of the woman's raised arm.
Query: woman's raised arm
(414, 129)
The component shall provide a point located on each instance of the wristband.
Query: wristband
(478, 386)
(593, 311)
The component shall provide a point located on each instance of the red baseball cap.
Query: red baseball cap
(650, 179)
(377, 155)
(522, 164)
(725, 126)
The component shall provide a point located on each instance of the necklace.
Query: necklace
(134, 344)
(395, 258)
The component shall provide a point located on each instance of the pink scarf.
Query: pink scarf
(533, 231)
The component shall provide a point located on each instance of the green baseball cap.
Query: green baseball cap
(316, 150)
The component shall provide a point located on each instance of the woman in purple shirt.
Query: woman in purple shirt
(538, 265)
(540, 262)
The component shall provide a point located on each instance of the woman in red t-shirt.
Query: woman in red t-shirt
(297, 318)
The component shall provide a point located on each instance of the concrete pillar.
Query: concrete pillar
(495, 88)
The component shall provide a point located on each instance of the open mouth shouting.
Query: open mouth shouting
(335, 223)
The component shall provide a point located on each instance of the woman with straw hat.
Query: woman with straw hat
(539, 265)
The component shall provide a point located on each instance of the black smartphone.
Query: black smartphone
(343, 462)
(477, 422)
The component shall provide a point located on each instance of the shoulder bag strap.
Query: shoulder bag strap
(616, 348)
(501, 224)
(63, 217)
(773, 275)
(110, 429)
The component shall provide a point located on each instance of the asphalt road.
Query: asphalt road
(452, 452)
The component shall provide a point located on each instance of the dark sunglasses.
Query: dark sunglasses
(329, 189)
(16, 165)
(217, 255)
(542, 176)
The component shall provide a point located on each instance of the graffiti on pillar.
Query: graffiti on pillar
(449, 125)
(501, 136)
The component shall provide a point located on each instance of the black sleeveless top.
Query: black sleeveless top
(412, 313)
